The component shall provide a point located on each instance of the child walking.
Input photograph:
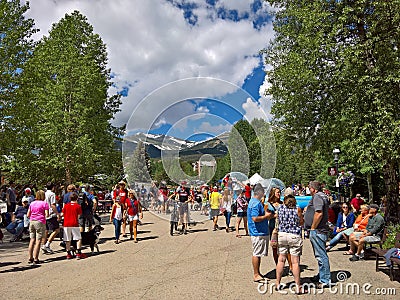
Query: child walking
(72, 211)
(117, 212)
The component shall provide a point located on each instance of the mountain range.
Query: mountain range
(188, 150)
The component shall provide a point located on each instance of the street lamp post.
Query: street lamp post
(336, 153)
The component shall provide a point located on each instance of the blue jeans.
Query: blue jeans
(15, 227)
(318, 242)
(336, 239)
(228, 216)
(117, 226)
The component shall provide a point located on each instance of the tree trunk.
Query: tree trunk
(392, 212)
(370, 190)
(68, 178)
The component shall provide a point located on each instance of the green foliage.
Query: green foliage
(393, 230)
(16, 47)
(335, 81)
(63, 108)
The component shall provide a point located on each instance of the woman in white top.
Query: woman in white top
(226, 205)
(117, 212)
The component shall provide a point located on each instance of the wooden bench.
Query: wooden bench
(394, 261)
(369, 248)
(380, 255)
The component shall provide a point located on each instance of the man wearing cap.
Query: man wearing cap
(356, 203)
(28, 196)
(316, 220)
(371, 234)
(257, 218)
(17, 220)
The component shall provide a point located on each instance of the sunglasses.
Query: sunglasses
(345, 207)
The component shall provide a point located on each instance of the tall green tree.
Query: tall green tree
(64, 110)
(335, 81)
(16, 46)
(138, 165)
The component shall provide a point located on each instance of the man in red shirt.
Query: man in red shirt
(356, 203)
(247, 192)
(72, 211)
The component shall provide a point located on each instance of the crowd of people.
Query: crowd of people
(271, 220)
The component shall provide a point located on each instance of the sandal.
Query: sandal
(30, 261)
(302, 291)
(348, 253)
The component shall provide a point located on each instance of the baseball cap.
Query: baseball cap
(28, 190)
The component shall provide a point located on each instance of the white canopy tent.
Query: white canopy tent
(256, 178)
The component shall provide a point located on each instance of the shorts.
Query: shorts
(372, 239)
(52, 224)
(133, 218)
(242, 214)
(37, 230)
(183, 213)
(260, 245)
(290, 243)
(71, 233)
(348, 231)
(83, 219)
(214, 212)
(357, 234)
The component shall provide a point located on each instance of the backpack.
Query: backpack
(85, 202)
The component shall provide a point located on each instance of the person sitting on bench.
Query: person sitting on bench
(375, 226)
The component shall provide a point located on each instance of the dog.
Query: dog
(89, 238)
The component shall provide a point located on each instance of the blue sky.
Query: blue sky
(154, 43)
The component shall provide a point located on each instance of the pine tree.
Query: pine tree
(137, 167)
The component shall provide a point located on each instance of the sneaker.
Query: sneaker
(361, 256)
(81, 256)
(355, 257)
(69, 256)
(44, 249)
(48, 249)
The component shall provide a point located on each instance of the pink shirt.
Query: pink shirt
(37, 209)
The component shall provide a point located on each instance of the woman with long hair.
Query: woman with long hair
(133, 212)
(117, 212)
(241, 213)
(274, 200)
(226, 205)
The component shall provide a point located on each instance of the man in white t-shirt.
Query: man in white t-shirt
(52, 222)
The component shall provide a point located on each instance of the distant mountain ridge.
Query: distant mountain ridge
(215, 146)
